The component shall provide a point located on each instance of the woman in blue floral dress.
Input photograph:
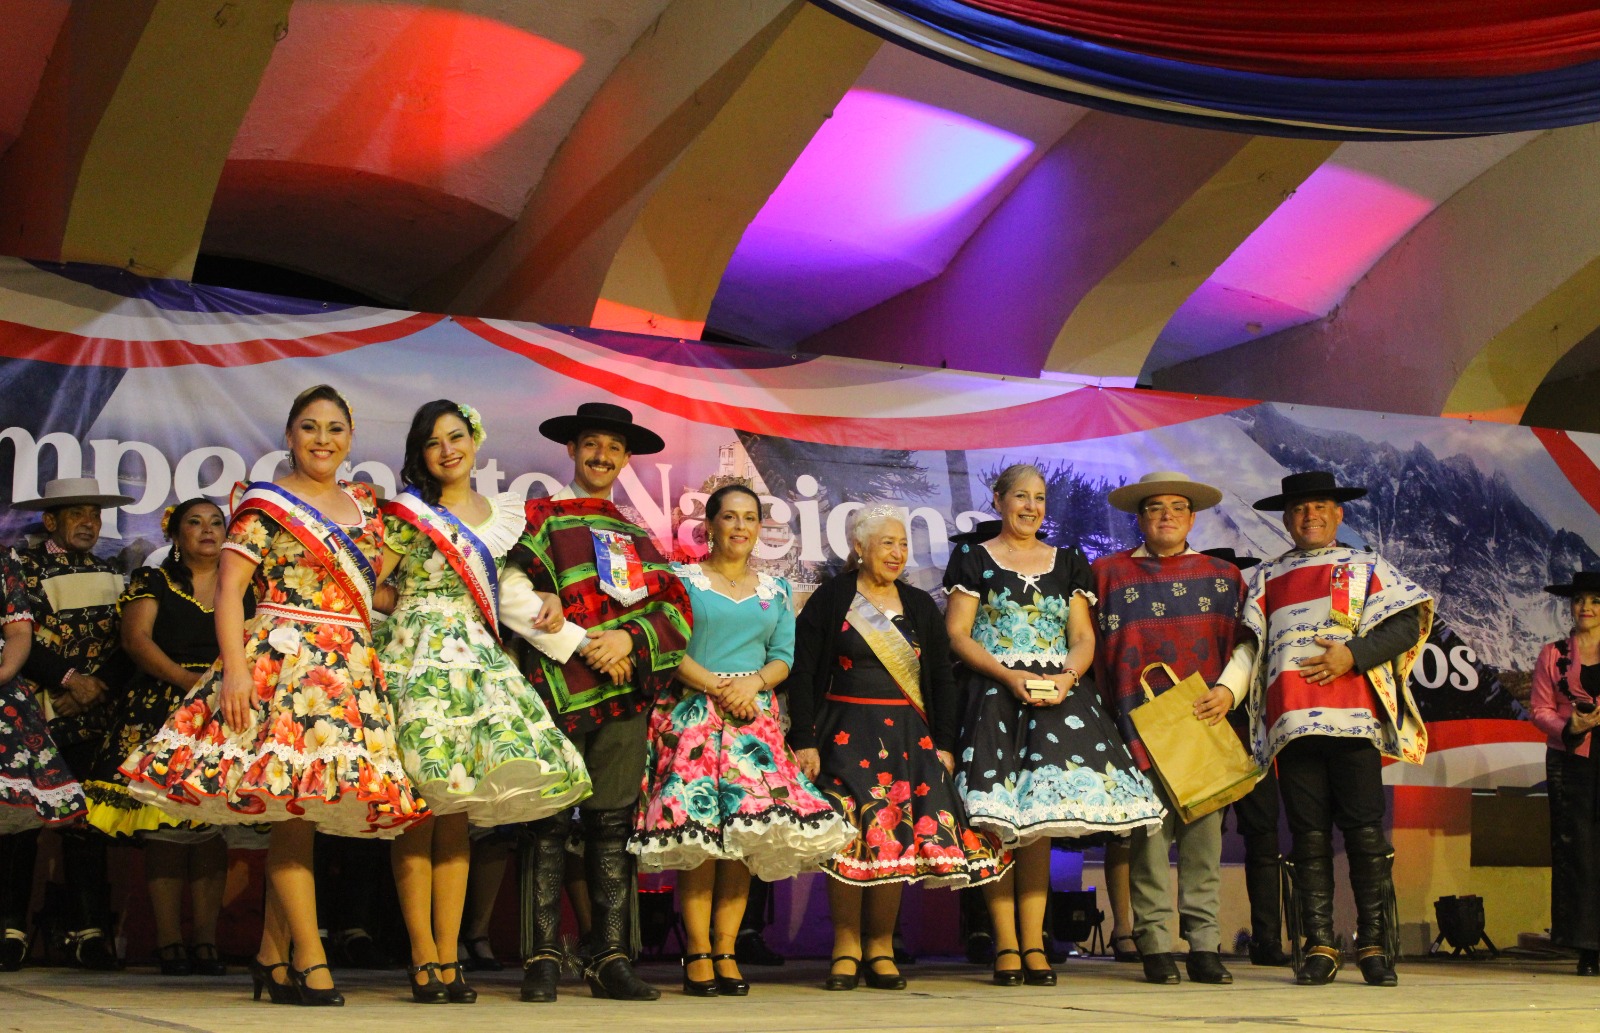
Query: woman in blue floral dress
(1039, 758)
(722, 794)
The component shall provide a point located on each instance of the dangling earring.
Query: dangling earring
(176, 555)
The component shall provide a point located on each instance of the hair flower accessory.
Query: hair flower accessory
(166, 522)
(474, 423)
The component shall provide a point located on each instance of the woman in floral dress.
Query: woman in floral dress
(293, 725)
(474, 737)
(36, 788)
(1039, 758)
(875, 720)
(169, 631)
(722, 796)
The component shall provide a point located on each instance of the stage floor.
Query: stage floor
(1460, 996)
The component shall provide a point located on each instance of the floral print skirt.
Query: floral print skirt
(717, 788)
(1062, 771)
(36, 786)
(473, 734)
(320, 745)
(880, 767)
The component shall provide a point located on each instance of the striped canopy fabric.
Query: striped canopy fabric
(1335, 69)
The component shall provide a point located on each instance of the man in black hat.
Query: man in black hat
(1334, 633)
(612, 581)
(75, 658)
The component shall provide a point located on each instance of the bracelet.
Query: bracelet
(1076, 678)
(763, 679)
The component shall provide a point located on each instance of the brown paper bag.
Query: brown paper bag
(1202, 767)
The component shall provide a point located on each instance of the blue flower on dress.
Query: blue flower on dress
(1087, 788)
(1100, 747)
(692, 711)
(753, 756)
(1074, 722)
(701, 801)
(731, 796)
(1077, 759)
(1051, 736)
(966, 755)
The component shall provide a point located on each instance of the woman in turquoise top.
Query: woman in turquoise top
(721, 785)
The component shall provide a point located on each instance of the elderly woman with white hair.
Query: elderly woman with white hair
(875, 722)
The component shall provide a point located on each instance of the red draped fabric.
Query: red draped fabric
(1340, 39)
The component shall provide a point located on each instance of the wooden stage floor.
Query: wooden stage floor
(1434, 996)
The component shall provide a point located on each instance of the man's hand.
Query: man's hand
(606, 648)
(1335, 661)
(550, 617)
(64, 704)
(809, 762)
(1214, 705)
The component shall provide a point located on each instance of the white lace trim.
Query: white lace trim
(1042, 659)
(22, 787)
(776, 845)
(768, 587)
(292, 758)
(504, 526)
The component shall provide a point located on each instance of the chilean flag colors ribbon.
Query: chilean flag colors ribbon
(467, 555)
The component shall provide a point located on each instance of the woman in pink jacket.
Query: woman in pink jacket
(1566, 685)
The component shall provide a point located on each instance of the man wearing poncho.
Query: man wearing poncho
(1334, 632)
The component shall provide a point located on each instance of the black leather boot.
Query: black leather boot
(541, 973)
(1262, 879)
(1372, 882)
(1313, 877)
(609, 868)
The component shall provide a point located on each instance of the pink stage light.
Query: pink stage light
(889, 173)
(398, 88)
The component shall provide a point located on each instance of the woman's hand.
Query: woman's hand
(234, 699)
(384, 598)
(1017, 682)
(948, 760)
(1581, 722)
(550, 617)
(809, 763)
(738, 696)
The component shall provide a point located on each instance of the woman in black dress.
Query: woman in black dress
(169, 631)
(875, 720)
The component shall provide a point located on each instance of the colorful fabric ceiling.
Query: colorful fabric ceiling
(1341, 69)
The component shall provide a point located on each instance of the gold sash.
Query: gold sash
(891, 649)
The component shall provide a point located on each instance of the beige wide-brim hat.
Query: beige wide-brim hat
(73, 491)
(1164, 482)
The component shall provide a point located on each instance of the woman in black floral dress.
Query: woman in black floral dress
(36, 788)
(875, 720)
(170, 633)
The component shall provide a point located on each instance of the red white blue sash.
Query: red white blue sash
(324, 541)
(472, 560)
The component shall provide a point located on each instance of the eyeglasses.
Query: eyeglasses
(1157, 508)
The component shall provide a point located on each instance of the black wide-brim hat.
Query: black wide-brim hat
(613, 419)
(1314, 484)
(1582, 581)
(1229, 556)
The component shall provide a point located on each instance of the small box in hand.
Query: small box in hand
(1040, 688)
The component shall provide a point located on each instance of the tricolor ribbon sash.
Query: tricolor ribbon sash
(889, 645)
(325, 542)
(1349, 593)
(468, 556)
(618, 567)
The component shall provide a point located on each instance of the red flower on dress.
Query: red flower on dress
(926, 742)
(884, 778)
(845, 626)
(926, 827)
(842, 739)
(845, 663)
(889, 721)
(922, 789)
(866, 763)
(900, 792)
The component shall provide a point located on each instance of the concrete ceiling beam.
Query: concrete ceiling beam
(119, 157)
(551, 265)
(1111, 331)
(667, 270)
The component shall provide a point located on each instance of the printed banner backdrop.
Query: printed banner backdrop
(165, 390)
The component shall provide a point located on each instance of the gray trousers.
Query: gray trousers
(1199, 881)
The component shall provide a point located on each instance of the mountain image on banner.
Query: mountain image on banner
(1462, 533)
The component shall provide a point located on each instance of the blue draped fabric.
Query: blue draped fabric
(1228, 99)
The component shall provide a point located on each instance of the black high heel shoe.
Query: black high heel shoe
(174, 960)
(729, 986)
(206, 961)
(277, 993)
(431, 992)
(882, 980)
(311, 996)
(841, 981)
(1009, 976)
(478, 955)
(699, 987)
(457, 990)
(1038, 976)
